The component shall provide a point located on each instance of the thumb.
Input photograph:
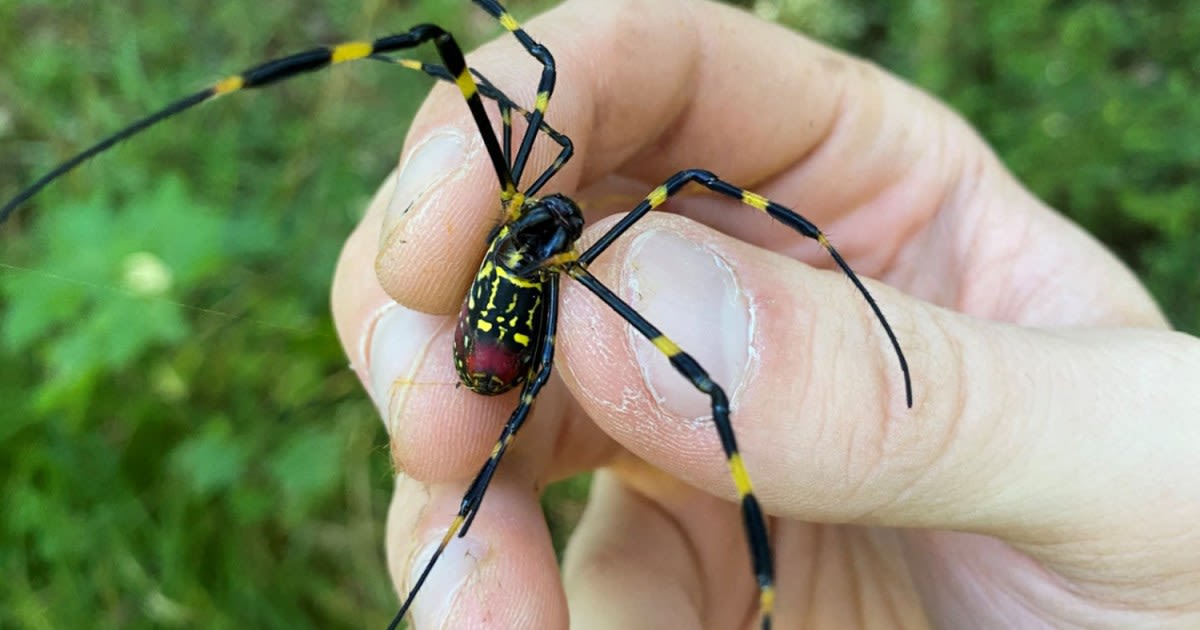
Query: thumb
(1016, 432)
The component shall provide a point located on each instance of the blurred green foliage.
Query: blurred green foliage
(181, 444)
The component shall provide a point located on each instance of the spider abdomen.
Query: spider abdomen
(499, 327)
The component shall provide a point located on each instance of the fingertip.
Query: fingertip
(789, 344)
(501, 574)
(447, 197)
(677, 274)
(434, 224)
(438, 430)
(403, 358)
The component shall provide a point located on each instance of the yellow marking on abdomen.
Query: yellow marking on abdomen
(351, 51)
(740, 478)
(754, 200)
(491, 303)
(483, 325)
(537, 302)
(231, 84)
(517, 280)
(562, 259)
(657, 197)
(521, 339)
(666, 346)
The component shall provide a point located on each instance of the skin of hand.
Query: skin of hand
(1046, 475)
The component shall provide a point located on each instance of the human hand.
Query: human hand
(1044, 478)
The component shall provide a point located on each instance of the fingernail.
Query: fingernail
(432, 607)
(429, 165)
(393, 349)
(692, 296)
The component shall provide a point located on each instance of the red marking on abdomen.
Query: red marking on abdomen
(486, 364)
(493, 368)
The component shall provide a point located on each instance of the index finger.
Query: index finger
(647, 88)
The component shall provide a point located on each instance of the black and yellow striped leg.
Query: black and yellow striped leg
(489, 91)
(506, 134)
(291, 66)
(545, 84)
(568, 148)
(784, 215)
(473, 498)
(506, 106)
(752, 515)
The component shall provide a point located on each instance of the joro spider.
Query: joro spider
(506, 328)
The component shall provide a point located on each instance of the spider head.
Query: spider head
(546, 227)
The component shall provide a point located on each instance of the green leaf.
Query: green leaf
(212, 461)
